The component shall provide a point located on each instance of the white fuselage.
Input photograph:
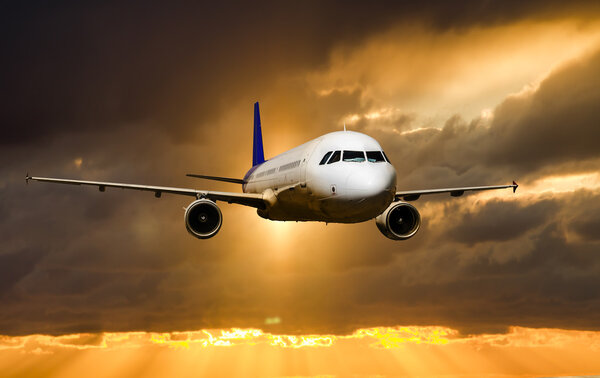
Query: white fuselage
(299, 186)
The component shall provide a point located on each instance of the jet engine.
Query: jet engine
(399, 221)
(203, 218)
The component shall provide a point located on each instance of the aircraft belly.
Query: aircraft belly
(335, 209)
(294, 205)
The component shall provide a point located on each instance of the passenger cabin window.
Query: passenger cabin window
(324, 160)
(375, 156)
(335, 157)
(354, 156)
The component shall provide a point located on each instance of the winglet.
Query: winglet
(515, 186)
(27, 178)
(258, 154)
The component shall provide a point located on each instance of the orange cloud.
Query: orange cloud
(441, 73)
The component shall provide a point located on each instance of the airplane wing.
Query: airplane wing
(246, 199)
(413, 195)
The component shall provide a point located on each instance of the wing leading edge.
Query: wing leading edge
(413, 195)
(246, 199)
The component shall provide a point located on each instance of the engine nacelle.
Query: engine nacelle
(203, 218)
(399, 221)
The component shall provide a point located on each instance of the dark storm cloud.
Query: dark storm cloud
(497, 220)
(588, 226)
(558, 123)
(16, 265)
(178, 66)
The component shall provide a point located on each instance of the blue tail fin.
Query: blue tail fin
(258, 154)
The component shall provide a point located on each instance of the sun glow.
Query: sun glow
(376, 337)
(394, 337)
(379, 337)
(556, 184)
(487, 114)
(566, 183)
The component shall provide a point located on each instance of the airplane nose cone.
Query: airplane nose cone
(372, 182)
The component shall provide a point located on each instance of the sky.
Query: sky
(457, 94)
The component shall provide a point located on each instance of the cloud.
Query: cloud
(497, 220)
(16, 265)
(179, 67)
(553, 125)
(416, 351)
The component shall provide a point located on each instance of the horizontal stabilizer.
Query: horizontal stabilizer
(217, 178)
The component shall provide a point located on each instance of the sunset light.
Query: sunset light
(399, 349)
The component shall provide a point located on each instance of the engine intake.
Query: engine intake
(399, 221)
(203, 218)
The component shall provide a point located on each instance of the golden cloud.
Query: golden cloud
(410, 351)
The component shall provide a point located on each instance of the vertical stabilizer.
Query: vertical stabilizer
(258, 154)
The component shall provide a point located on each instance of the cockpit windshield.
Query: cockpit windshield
(324, 160)
(375, 156)
(354, 156)
(386, 158)
(335, 157)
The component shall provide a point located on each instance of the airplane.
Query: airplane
(339, 177)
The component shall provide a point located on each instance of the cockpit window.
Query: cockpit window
(386, 158)
(375, 156)
(324, 160)
(354, 156)
(335, 157)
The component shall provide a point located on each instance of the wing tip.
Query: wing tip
(514, 186)
(27, 178)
